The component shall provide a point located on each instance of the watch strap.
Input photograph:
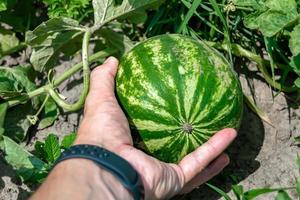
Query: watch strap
(110, 161)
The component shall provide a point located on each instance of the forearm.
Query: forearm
(80, 179)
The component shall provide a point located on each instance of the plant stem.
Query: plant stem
(101, 54)
(34, 118)
(24, 98)
(257, 110)
(60, 79)
(42, 106)
(237, 50)
(86, 80)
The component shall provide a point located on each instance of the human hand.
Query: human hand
(105, 124)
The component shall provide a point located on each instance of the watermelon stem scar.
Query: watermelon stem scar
(188, 128)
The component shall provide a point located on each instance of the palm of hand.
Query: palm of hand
(105, 124)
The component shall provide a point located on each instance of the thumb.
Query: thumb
(103, 77)
(102, 82)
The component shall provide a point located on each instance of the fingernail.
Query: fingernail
(111, 60)
(231, 132)
(226, 159)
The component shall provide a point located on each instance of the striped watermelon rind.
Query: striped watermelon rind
(177, 92)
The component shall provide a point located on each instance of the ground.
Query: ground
(263, 155)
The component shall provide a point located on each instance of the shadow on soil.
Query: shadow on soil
(7, 171)
(242, 153)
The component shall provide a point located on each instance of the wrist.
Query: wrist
(97, 180)
(86, 140)
(116, 165)
(78, 178)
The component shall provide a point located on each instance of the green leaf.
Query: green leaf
(295, 64)
(285, 6)
(15, 81)
(68, 140)
(3, 110)
(251, 20)
(20, 15)
(39, 150)
(250, 3)
(294, 42)
(297, 139)
(27, 165)
(7, 89)
(101, 8)
(138, 16)
(271, 22)
(298, 162)
(252, 194)
(35, 37)
(45, 56)
(219, 13)
(52, 148)
(67, 8)
(282, 195)
(8, 41)
(117, 40)
(106, 10)
(238, 191)
(297, 83)
(298, 187)
(3, 5)
(219, 191)
(50, 114)
(16, 123)
(188, 5)
(189, 14)
(49, 38)
(73, 46)
(272, 18)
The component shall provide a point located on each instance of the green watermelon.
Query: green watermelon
(177, 92)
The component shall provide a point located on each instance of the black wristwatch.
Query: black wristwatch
(110, 161)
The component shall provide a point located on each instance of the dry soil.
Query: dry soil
(262, 155)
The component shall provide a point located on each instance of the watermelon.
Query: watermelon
(177, 92)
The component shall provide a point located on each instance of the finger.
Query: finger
(208, 173)
(102, 83)
(195, 162)
(103, 79)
